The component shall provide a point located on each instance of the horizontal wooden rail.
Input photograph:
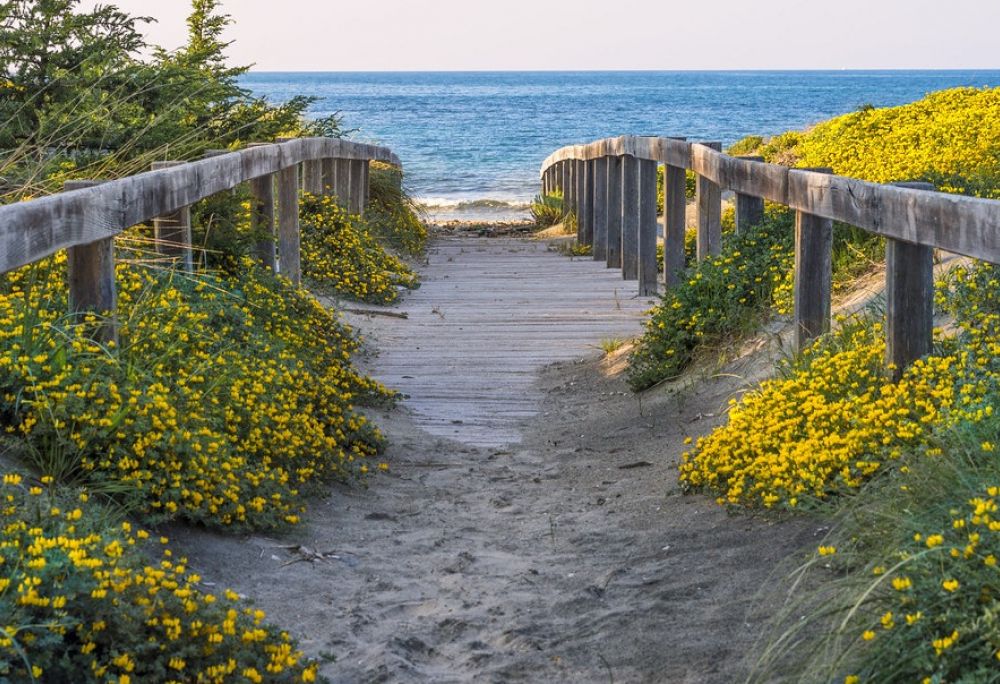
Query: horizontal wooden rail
(35, 229)
(959, 224)
(914, 217)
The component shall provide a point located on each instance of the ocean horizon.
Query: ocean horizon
(472, 142)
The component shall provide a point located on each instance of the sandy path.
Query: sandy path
(540, 561)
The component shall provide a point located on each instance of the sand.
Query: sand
(571, 556)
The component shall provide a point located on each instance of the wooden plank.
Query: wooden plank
(600, 240)
(173, 230)
(813, 287)
(452, 387)
(91, 276)
(579, 196)
(909, 295)
(262, 220)
(648, 270)
(709, 206)
(630, 218)
(355, 201)
(615, 212)
(749, 208)
(366, 193)
(674, 224)
(289, 259)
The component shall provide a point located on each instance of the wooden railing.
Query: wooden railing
(610, 185)
(85, 218)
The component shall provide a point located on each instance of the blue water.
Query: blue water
(469, 137)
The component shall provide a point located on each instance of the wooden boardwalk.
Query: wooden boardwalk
(491, 313)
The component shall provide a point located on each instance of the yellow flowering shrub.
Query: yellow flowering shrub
(228, 397)
(834, 420)
(82, 601)
(341, 254)
(950, 138)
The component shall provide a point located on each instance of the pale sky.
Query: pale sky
(376, 35)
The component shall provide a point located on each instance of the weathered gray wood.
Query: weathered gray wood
(312, 176)
(813, 288)
(564, 184)
(909, 294)
(173, 230)
(33, 230)
(329, 181)
(648, 227)
(615, 212)
(262, 220)
(630, 218)
(342, 189)
(709, 203)
(586, 231)
(91, 275)
(579, 195)
(495, 294)
(355, 201)
(749, 208)
(366, 169)
(600, 241)
(289, 260)
(674, 224)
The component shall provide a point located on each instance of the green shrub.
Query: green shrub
(547, 210)
(720, 297)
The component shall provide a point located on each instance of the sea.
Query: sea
(472, 142)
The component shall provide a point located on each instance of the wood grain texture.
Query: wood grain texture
(600, 241)
(262, 220)
(342, 181)
(173, 229)
(909, 295)
(489, 316)
(813, 285)
(749, 208)
(91, 275)
(674, 224)
(579, 196)
(630, 218)
(648, 273)
(289, 258)
(586, 223)
(615, 212)
(709, 207)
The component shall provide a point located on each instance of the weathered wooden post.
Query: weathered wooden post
(648, 228)
(586, 230)
(173, 231)
(342, 185)
(909, 299)
(564, 185)
(329, 176)
(289, 259)
(749, 209)
(709, 199)
(262, 220)
(630, 218)
(813, 287)
(579, 193)
(358, 193)
(600, 218)
(616, 210)
(674, 223)
(91, 275)
(312, 176)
